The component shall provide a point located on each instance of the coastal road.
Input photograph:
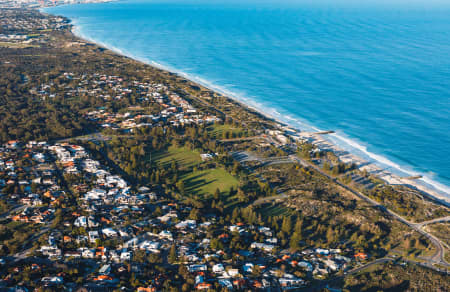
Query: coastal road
(437, 258)
(437, 220)
(243, 156)
(368, 265)
(242, 139)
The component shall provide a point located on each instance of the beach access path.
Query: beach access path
(437, 258)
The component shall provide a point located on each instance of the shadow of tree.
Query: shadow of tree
(193, 184)
(403, 286)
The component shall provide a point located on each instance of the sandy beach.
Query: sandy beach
(373, 168)
(318, 140)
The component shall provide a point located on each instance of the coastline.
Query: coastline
(423, 185)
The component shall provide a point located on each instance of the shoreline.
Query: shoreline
(375, 167)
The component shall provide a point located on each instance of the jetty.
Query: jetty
(324, 132)
(414, 177)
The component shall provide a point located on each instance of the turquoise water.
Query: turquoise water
(379, 75)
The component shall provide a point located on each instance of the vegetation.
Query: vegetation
(182, 156)
(208, 181)
(226, 131)
(408, 203)
(441, 231)
(394, 277)
(67, 89)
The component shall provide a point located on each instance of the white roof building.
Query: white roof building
(93, 236)
(80, 221)
(109, 232)
(218, 268)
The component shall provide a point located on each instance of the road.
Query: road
(94, 136)
(14, 210)
(268, 199)
(437, 258)
(242, 139)
(437, 220)
(368, 265)
(243, 156)
(335, 279)
(23, 254)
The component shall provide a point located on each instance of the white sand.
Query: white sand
(370, 167)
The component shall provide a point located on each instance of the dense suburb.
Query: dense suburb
(118, 176)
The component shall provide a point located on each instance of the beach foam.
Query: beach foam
(319, 79)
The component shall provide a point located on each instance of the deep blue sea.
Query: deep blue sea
(378, 74)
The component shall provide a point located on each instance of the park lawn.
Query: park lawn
(270, 210)
(216, 130)
(17, 45)
(183, 156)
(204, 182)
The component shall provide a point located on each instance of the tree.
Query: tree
(326, 166)
(294, 243)
(241, 196)
(256, 271)
(180, 187)
(298, 225)
(172, 254)
(335, 170)
(58, 218)
(235, 214)
(286, 226)
(215, 244)
(217, 194)
(306, 150)
(330, 235)
(183, 271)
(194, 214)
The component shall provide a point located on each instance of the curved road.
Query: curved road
(437, 258)
(437, 220)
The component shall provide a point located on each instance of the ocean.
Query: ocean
(377, 74)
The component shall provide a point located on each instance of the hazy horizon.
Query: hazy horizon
(351, 3)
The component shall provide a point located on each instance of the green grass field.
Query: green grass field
(17, 45)
(182, 155)
(200, 182)
(269, 210)
(204, 182)
(217, 131)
